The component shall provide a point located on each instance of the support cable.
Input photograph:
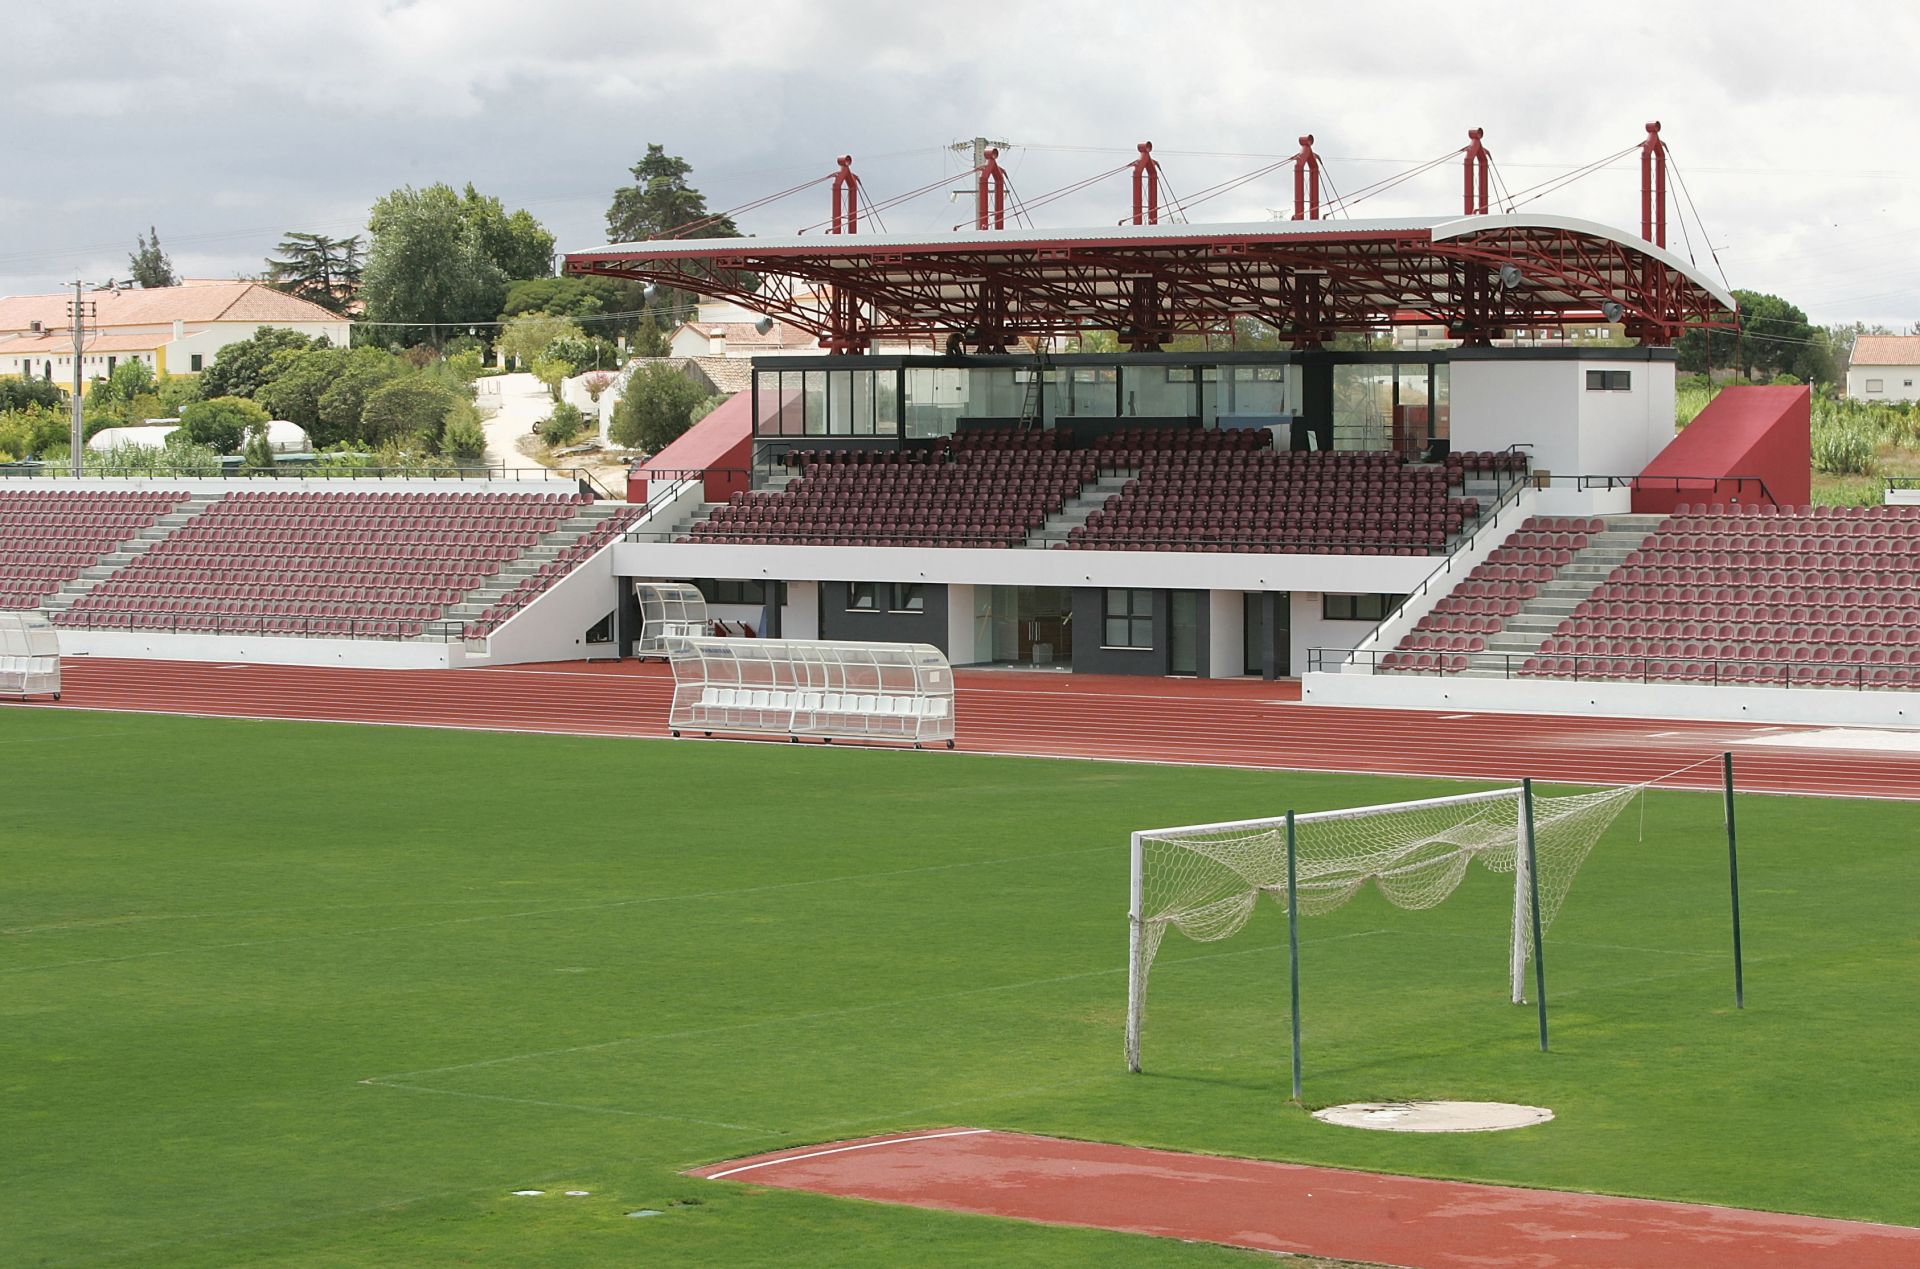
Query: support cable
(1704, 237)
(702, 222)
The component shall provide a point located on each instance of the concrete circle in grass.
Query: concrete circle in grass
(1434, 1116)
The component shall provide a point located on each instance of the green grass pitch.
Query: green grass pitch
(308, 994)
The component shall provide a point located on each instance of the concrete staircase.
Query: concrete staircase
(1074, 514)
(129, 551)
(550, 546)
(1540, 616)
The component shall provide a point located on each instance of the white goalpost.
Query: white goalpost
(1205, 879)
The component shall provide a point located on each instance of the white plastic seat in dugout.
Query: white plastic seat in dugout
(836, 691)
(29, 656)
(669, 612)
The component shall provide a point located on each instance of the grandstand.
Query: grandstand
(368, 573)
(1441, 524)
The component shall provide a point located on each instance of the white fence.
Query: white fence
(29, 655)
(849, 691)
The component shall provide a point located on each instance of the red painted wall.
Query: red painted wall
(720, 445)
(1762, 431)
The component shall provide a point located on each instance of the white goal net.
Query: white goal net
(1205, 879)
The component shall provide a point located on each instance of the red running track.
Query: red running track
(1239, 723)
(1283, 1207)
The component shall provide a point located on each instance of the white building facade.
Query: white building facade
(1884, 368)
(174, 330)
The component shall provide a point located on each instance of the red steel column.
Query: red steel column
(1653, 187)
(1474, 173)
(1306, 181)
(846, 198)
(990, 194)
(1146, 186)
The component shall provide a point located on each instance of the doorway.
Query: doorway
(1025, 625)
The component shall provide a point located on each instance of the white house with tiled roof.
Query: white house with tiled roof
(174, 329)
(1884, 368)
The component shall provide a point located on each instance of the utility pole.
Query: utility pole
(979, 148)
(77, 312)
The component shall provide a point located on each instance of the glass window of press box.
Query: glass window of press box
(1376, 404)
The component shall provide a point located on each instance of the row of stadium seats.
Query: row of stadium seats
(1822, 596)
(988, 498)
(330, 563)
(1496, 588)
(48, 538)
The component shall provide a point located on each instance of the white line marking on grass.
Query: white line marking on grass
(557, 911)
(865, 1145)
(593, 1110)
(848, 1011)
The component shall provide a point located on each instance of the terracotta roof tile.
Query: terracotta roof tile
(1886, 350)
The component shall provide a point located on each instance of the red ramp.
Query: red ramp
(1760, 431)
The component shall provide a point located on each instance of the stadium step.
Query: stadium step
(1523, 633)
(131, 550)
(1074, 514)
(549, 548)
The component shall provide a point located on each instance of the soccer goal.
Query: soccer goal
(1205, 879)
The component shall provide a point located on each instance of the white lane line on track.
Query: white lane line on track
(865, 1145)
(1528, 739)
(1447, 718)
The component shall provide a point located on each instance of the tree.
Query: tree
(239, 369)
(411, 406)
(662, 204)
(607, 306)
(129, 379)
(342, 405)
(552, 372)
(439, 260)
(1772, 337)
(221, 423)
(259, 450)
(18, 394)
(583, 353)
(302, 379)
(565, 423)
(526, 337)
(464, 440)
(149, 266)
(655, 409)
(649, 340)
(315, 267)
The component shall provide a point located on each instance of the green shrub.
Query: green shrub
(565, 423)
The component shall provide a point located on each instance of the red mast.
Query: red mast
(1306, 181)
(1474, 173)
(846, 198)
(1146, 186)
(990, 194)
(1653, 187)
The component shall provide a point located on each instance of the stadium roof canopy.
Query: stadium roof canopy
(1478, 275)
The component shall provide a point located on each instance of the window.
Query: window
(1609, 381)
(1359, 607)
(601, 631)
(1906, 383)
(727, 590)
(193, 363)
(1129, 615)
(1876, 385)
(906, 597)
(863, 596)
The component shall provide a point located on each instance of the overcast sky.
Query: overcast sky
(1796, 127)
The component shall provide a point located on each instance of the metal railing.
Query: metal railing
(1708, 486)
(1643, 668)
(321, 471)
(147, 621)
